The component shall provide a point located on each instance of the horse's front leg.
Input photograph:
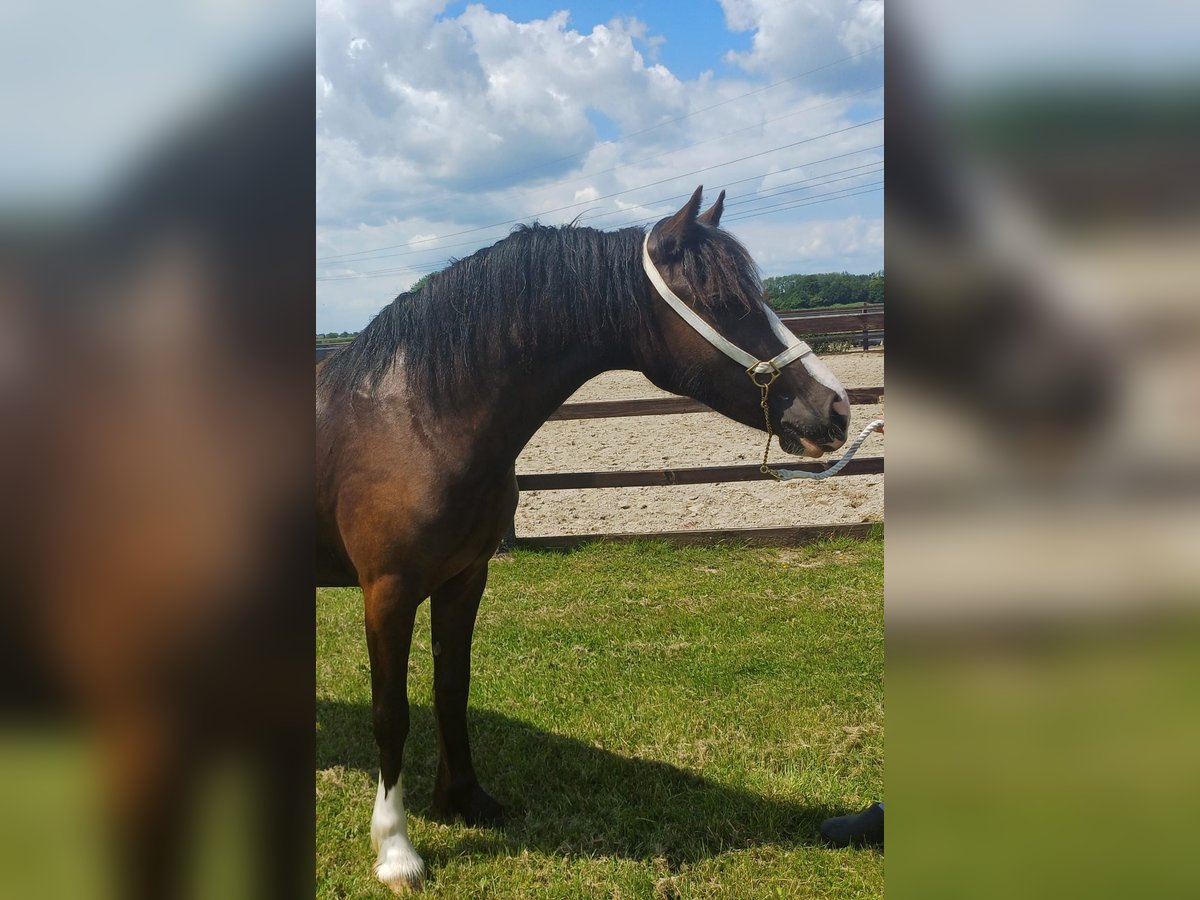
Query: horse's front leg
(391, 607)
(452, 622)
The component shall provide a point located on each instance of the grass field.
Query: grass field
(660, 722)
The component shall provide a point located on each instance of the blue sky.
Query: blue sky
(440, 125)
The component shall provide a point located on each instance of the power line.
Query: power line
(475, 241)
(810, 201)
(815, 181)
(652, 219)
(875, 188)
(729, 184)
(822, 184)
(775, 191)
(718, 137)
(745, 214)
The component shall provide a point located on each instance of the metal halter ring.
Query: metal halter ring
(771, 372)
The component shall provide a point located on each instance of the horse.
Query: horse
(420, 420)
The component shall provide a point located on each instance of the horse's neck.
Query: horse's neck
(492, 420)
(520, 402)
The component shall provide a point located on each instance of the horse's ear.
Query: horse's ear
(673, 233)
(712, 216)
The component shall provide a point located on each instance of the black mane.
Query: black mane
(505, 304)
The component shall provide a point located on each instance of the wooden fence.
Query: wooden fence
(772, 537)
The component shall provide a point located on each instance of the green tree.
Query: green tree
(789, 292)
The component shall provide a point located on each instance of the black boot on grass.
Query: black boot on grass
(863, 829)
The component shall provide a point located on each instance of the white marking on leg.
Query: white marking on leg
(398, 865)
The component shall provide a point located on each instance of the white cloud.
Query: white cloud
(477, 98)
(794, 37)
(864, 29)
(431, 127)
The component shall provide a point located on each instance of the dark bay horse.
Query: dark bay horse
(421, 418)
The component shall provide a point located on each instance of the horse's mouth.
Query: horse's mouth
(798, 445)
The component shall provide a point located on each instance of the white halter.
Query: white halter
(794, 348)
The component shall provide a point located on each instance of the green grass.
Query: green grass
(659, 722)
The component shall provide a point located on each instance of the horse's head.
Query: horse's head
(713, 276)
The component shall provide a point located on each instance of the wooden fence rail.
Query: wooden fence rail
(564, 481)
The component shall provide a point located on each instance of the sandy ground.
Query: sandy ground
(697, 439)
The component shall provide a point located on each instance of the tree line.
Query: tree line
(787, 292)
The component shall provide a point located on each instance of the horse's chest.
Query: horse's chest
(484, 509)
(462, 526)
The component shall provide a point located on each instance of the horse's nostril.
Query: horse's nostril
(839, 419)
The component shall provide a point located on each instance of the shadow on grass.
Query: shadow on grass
(564, 796)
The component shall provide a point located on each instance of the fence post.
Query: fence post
(866, 345)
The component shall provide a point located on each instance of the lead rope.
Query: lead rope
(789, 474)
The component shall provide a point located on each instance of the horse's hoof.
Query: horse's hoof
(399, 866)
(402, 872)
(473, 804)
(483, 810)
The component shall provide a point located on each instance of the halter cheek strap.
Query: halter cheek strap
(794, 348)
